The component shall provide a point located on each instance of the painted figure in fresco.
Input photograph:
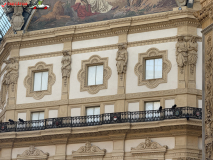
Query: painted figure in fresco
(86, 8)
(181, 52)
(121, 58)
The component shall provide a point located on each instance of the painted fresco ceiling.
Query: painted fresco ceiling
(73, 12)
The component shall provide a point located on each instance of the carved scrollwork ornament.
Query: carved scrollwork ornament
(122, 58)
(66, 66)
(208, 98)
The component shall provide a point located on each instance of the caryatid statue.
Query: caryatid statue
(121, 58)
(192, 53)
(66, 66)
(11, 75)
(181, 52)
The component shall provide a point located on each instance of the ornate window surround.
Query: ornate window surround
(83, 74)
(29, 80)
(140, 67)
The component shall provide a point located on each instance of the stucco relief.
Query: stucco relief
(149, 149)
(89, 150)
(32, 153)
(10, 78)
(121, 58)
(186, 52)
(66, 66)
(29, 80)
(208, 98)
(82, 74)
(140, 67)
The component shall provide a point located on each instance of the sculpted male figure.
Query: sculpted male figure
(121, 58)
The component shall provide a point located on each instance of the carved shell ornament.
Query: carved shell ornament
(32, 153)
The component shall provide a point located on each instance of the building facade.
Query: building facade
(125, 89)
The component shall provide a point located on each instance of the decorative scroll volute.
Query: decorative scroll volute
(32, 153)
(66, 66)
(88, 150)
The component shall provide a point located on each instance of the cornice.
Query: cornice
(166, 128)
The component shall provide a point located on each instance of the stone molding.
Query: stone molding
(89, 151)
(205, 13)
(162, 93)
(29, 80)
(140, 67)
(33, 153)
(82, 74)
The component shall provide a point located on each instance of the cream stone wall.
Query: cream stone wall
(95, 42)
(169, 103)
(75, 112)
(49, 149)
(133, 107)
(169, 141)
(199, 67)
(41, 49)
(109, 109)
(76, 66)
(53, 113)
(108, 145)
(132, 79)
(22, 116)
(4, 64)
(199, 32)
(152, 35)
(200, 104)
(56, 88)
(200, 143)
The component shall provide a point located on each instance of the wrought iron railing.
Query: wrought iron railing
(107, 118)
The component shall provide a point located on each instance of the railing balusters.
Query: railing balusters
(107, 118)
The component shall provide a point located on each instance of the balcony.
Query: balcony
(107, 118)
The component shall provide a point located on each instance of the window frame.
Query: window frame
(87, 74)
(150, 102)
(152, 58)
(33, 78)
(37, 112)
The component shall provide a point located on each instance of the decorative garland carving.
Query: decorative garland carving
(82, 74)
(10, 78)
(205, 13)
(89, 150)
(208, 98)
(29, 80)
(66, 66)
(32, 153)
(186, 52)
(121, 58)
(140, 67)
(144, 149)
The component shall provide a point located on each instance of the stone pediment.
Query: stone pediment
(32, 153)
(89, 150)
(148, 147)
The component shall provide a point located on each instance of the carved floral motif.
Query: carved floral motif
(208, 98)
(148, 144)
(66, 66)
(32, 153)
(89, 150)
